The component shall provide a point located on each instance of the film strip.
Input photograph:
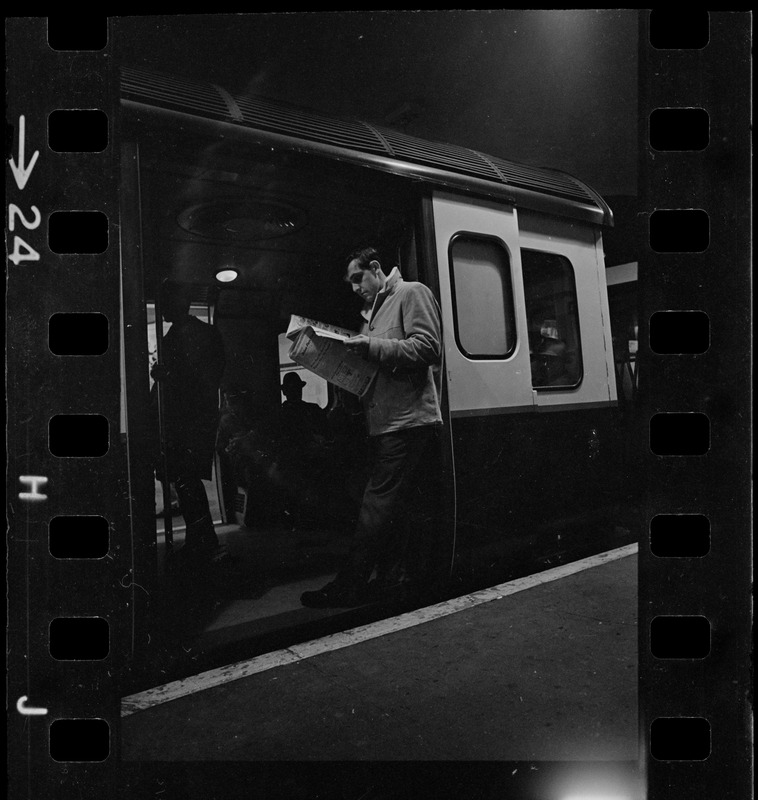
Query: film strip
(67, 578)
(694, 284)
(74, 589)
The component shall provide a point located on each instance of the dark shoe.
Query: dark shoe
(333, 595)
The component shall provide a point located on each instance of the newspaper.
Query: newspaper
(319, 347)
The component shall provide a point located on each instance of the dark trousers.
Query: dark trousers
(385, 525)
(193, 503)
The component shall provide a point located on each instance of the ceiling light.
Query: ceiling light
(227, 275)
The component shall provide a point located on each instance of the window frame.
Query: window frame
(510, 301)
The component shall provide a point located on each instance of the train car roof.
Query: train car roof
(146, 94)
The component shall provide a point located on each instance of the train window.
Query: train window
(482, 297)
(315, 388)
(554, 343)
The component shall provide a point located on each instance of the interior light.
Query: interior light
(227, 275)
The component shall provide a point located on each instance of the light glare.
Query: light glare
(226, 275)
(595, 797)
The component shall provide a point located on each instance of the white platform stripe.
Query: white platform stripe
(233, 672)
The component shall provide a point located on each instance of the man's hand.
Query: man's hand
(358, 344)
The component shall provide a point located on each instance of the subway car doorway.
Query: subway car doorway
(283, 504)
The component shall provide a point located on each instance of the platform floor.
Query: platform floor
(546, 673)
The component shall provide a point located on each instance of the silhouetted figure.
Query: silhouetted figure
(190, 370)
(302, 426)
(303, 444)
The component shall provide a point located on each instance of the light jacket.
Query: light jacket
(404, 329)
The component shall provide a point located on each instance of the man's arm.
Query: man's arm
(422, 345)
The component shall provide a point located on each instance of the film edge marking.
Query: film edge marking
(29, 711)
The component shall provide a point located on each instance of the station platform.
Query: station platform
(543, 668)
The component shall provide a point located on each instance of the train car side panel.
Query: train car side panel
(535, 470)
(483, 311)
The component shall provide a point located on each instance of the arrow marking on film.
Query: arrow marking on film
(21, 172)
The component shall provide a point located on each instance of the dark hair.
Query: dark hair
(364, 256)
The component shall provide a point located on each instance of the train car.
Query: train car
(254, 204)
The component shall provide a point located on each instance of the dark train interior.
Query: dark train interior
(282, 223)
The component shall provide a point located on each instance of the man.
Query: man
(192, 363)
(401, 332)
(303, 425)
(302, 452)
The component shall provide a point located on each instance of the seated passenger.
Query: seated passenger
(303, 427)
(303, 449)
(536, 328)
(549, 359)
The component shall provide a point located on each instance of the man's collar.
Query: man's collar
(392, 280)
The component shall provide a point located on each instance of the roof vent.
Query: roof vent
(241, 220)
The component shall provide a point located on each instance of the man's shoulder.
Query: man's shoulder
(415, 291)
(412, 287)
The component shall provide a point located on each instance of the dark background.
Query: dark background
(598, 146)
(547, 88)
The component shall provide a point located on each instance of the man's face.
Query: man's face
(365, 282)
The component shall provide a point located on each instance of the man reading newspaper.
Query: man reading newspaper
(401, 336)
(320, 348)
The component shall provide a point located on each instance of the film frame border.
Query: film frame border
(695, 717)
(61, 705)
(42, 486)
